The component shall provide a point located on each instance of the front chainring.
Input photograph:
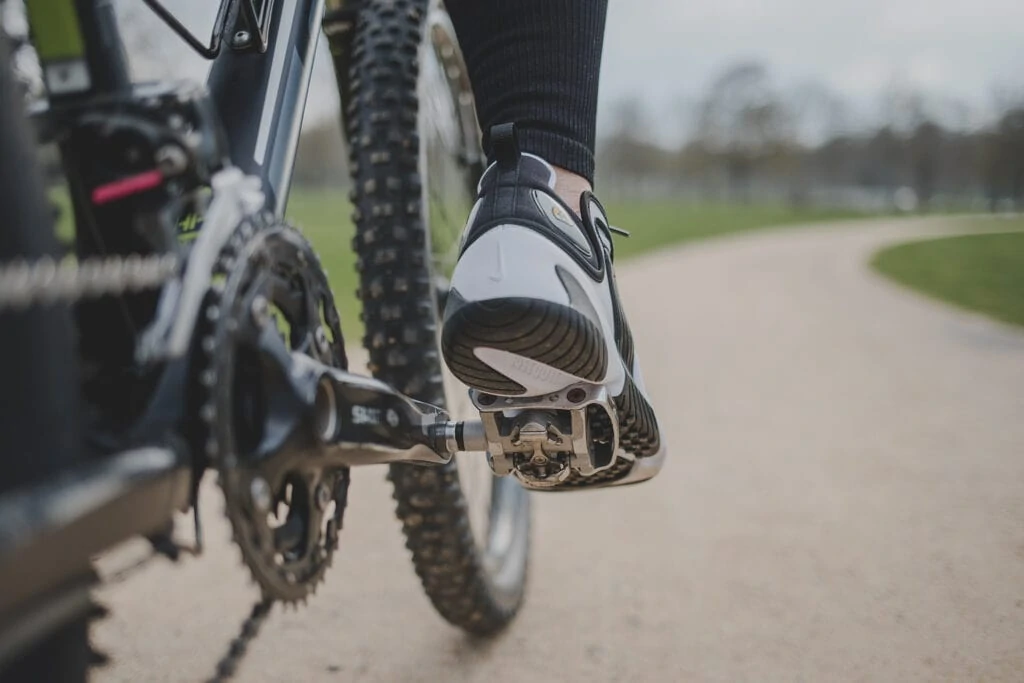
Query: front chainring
(286, 522)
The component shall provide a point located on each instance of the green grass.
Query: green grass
(983, 273)
(657, 224)
(324, 218)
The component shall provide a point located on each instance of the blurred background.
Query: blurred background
(735, 115)
(859, 106)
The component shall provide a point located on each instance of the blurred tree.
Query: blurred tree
(628, 159)
(819, 114)
(1008, 156)
(743, 121)
(926, 149)
(883, 160)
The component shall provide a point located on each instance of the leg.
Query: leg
(536, 63)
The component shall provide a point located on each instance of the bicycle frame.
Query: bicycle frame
(260, 95)
(259, 85)
(263, 119)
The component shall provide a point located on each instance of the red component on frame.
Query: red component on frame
(119, 189)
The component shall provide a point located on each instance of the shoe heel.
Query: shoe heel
(519, 346)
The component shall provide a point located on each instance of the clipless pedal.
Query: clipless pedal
(560, 441)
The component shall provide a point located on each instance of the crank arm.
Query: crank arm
(363, 421)
(339, 418)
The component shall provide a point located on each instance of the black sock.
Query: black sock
(536, 63)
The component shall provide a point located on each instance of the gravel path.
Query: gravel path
(844, 501)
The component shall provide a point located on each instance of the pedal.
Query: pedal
(548, 441)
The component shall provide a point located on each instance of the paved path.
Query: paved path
(844, 501)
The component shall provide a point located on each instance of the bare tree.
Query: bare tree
(628, 157)
(914, 118)
(926, 149)
(1006, 158)
(819, 114)
(806, 144)
(743, 121)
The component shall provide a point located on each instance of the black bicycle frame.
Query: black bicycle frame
(261, 97)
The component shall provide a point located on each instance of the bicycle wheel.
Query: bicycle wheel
(415, 154)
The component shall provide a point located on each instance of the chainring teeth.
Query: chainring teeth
(276, 581)
(261, 243)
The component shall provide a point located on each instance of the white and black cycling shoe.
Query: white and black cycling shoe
(533, 307)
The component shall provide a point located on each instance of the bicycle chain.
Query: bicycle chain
(47, 281)
(228, 664)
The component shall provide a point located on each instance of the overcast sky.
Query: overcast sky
(666, 52)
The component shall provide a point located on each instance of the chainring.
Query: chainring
(284, 520)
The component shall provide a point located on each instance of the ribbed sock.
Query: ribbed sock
(536, 63)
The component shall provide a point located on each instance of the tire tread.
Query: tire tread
(399, 308)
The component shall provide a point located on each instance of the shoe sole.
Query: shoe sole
(542, 331)
(554, 336)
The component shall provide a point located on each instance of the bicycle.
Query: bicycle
(192, 328)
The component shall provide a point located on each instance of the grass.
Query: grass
(658, 224)
(983, 273)
(324, 218)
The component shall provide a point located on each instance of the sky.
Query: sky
(665, 53)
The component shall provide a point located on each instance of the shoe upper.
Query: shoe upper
(533, 306)
(519, 189)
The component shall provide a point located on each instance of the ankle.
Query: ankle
(570, 187)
